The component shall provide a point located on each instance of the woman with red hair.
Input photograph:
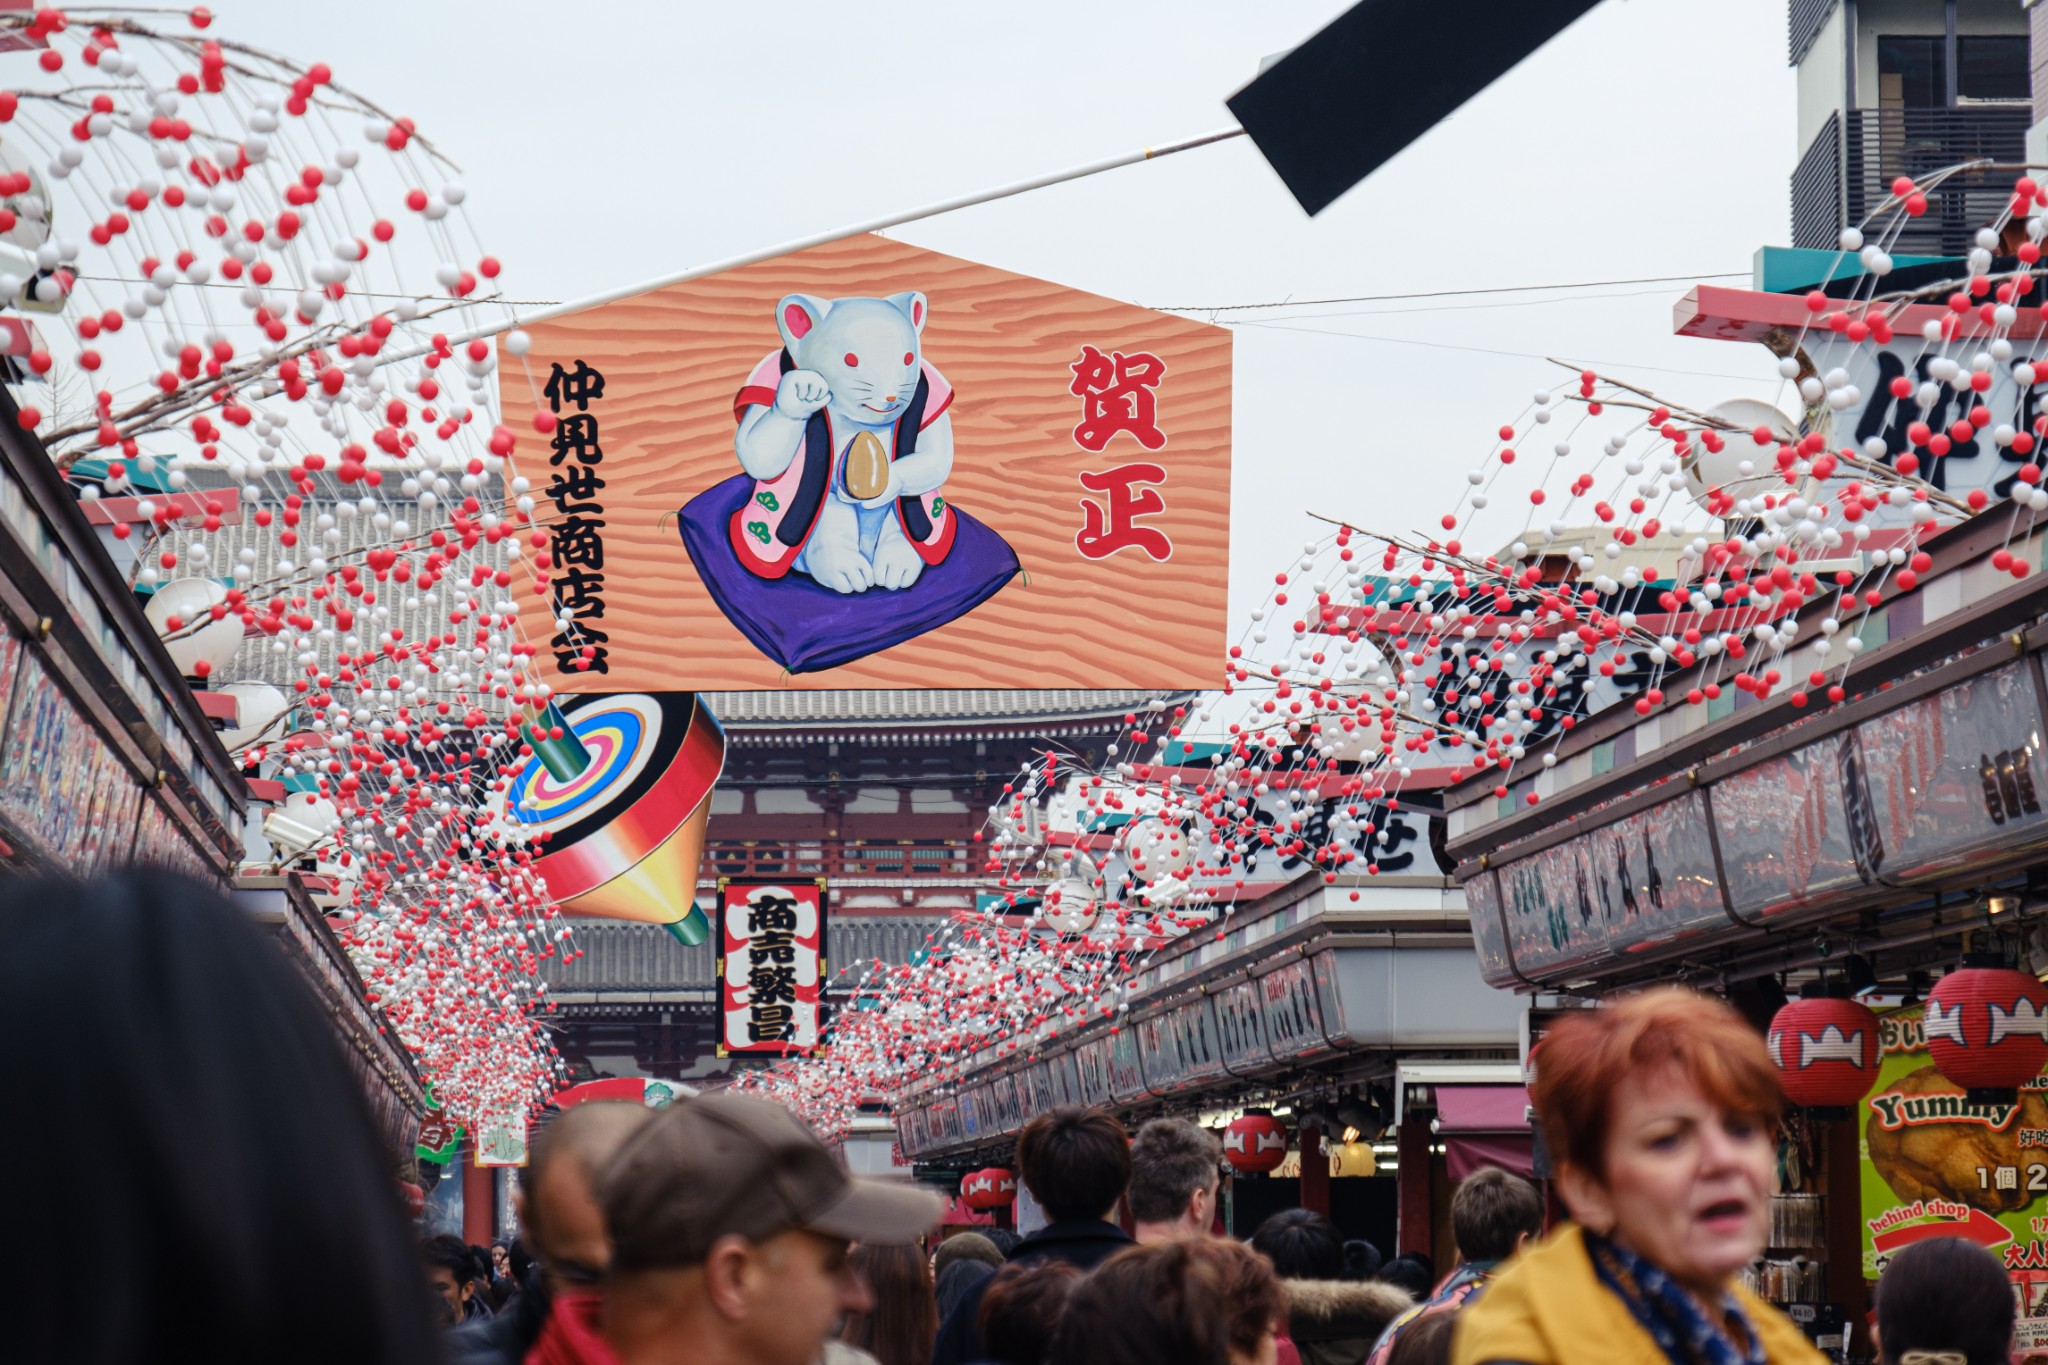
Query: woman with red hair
(1661, 1114)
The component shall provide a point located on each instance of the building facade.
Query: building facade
(1891, 88)
(884, 794)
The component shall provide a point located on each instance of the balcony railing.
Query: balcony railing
(913, 859)
(1804, 21)
(1849, 170)
(645, 957)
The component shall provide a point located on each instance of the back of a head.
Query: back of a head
(229, 1145)
(1425, 1341)
(953, 1282)
(1491, 1212)
(1945, 1295)
(1020, 1310)
(1170, 1160)
(1254, 1301)
(899, 1328)
(966, 1246)
(1151, 1305)
(1301, 1244)
(1406, 1272)
(1075, 1162)
(587, 1135)
(1362, 1260)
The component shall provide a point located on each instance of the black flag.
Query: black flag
(1332, 111)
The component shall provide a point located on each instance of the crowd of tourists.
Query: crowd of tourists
(220, 1195)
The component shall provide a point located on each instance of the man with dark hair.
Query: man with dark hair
(557, 1206)
(1493, 1216)
(452, 1275)
(1076, 1163)
(1174, 1179)
(730, 1225)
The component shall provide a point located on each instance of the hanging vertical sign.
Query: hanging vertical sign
(772, 967)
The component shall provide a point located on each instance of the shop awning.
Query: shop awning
(1485, 1125)
(1482, 1109)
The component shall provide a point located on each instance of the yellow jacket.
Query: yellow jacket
(1549, 1308)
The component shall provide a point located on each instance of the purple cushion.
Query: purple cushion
(808, 628)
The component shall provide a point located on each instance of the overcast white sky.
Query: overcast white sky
(605, 142)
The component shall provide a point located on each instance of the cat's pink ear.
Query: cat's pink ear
(912, 305)
(797, 316)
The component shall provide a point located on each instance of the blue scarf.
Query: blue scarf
(1674, 1319)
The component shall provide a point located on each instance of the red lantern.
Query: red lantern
(991, 1188)
(1826, 1051)
(1255, 1143)
(1983, 1027)
(413, 1198)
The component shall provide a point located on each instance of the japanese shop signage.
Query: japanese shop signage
(772, 967)
(1935, 1165)
(871, 465)
(501, 1141)
(1960, 444)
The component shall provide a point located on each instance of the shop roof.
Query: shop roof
(914, 707)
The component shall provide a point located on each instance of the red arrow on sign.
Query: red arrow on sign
(1980, 1228)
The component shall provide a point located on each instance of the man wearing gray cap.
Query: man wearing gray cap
(729, 1227)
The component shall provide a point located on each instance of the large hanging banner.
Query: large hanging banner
(771, 972)
(871, 465)
(1935, 1165)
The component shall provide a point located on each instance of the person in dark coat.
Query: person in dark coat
(1330, 1320)
(1076, 1163)
(563, 1224)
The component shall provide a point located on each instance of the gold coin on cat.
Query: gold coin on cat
(867, 467)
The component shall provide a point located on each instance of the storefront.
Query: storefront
(106, 757)
(1347, 1008)
(1857, 849)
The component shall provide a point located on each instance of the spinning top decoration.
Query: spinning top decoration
(623, 796)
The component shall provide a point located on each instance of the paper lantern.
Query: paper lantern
(258, 706)
(993, 1187)
(179, 605)
(1157, 850)
(413, 1198)
(1255, 1143)
(303, 820)
(1707, 468)
(1070, 906)
(1826, 1051)
(1983, 1028)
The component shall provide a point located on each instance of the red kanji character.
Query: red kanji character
(1116, 390)
(1106, 532)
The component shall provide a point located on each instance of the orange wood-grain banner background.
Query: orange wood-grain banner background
(674, 358)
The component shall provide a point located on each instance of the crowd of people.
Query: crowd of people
(238, 1209)
(1662, 1112)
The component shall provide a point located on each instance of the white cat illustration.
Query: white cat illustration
(846, 435)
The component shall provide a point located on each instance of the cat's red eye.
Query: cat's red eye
(852, 359)
(908, 358)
